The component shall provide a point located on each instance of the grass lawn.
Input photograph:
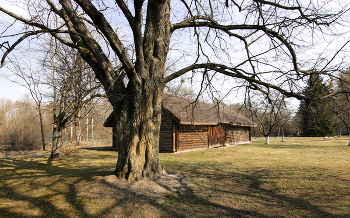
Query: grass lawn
(301, 177)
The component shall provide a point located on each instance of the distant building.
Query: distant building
(188, 125)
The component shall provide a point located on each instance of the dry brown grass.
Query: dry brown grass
(302, 177)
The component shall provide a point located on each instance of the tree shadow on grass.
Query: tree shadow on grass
(105, 148)
(268, 202)
(36, 189)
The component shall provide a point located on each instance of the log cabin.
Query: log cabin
(188, 125)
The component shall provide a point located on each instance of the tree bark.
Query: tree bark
(41, 127)
(267, 140)
(139, 115)
(87, 128)
(92, 125)
(56, 141)
(138, 138)
(77, 129)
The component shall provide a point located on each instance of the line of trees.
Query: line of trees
(321, 116)
(75, 92)
(20, 127)
(270, 113)
(64, 80)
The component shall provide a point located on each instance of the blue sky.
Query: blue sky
(11, 90)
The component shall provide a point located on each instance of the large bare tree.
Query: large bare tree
(256, 42)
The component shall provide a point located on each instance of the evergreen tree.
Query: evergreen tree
(316, 116)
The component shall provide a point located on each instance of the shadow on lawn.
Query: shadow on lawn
(54, 191)
(246, 186)
(106, 148)
(31, 188)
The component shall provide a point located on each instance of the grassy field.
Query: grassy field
(302, 177)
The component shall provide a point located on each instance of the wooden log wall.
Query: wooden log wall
(236, 134)
(175, 137)
(166, 133)
(191, 137)
(217, 135)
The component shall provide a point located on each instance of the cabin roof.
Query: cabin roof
(190, 112)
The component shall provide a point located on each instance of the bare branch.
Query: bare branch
(101, 22)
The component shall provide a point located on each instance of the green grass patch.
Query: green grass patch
(301, 177)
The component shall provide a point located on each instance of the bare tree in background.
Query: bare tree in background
(268, 112)
(255, 42)
(285, 116)
(31, 81)
(73, 89)
(20, 125)
(341, 103)
(181, 90)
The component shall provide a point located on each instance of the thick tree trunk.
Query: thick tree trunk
(139, 117)
(137, 100)
(138, 138)
(56, 141)
(267, 140)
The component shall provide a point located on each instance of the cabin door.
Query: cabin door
(216, 135)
